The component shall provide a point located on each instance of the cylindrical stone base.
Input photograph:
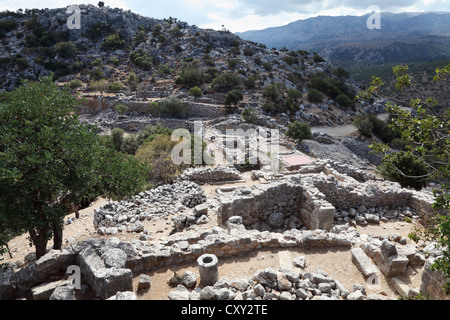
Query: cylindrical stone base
(208, 268)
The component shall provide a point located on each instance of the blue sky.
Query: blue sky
(243, 15)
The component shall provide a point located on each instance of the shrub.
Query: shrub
(290, 60)
(249, 82)
(190, 75)
(364, 125)
(315, 95)
(96, 74)
(100, 85)
(141, 59)
(121, 108)
(114, 60)
(113, 41)
(172, 107)
(74, 84)
(344, 101)
(22, 63)
(318, 58)
(115, 86)
(299, 131)
(117, 138)
(7, 25)
(404, 168)
(195, 92)
(156, 153)
(66, 50)
(232, 63)
(250, 115)
(248, 51)
(267, 66)
(227, 81)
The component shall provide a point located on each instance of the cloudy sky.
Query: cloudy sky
(243, 15)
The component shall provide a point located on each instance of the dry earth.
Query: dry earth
(335, 262)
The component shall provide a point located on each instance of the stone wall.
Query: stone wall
(94, 106)
(263, 207)
(211, 175)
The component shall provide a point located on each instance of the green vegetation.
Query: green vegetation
(53, 161)
(226, 82)
(121, 108)
(299, 131)
(190, 75)
(333, 88)
(315, 95)
(233, 97)
(424, 127)
(195, 92)
(250, 115)
(404, 168)
(67, 50)
(172, 107)
(275, 98)
(141, 59)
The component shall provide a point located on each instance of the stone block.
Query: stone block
(363, 262)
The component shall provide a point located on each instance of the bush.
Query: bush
(22, 63)
(96, 74)
(113, 41)
(299, 131)
(413, 168)
(250, 115)
(248, 51)
(121, 108)
(66, 50)
(315, 95)
(172, 107)
(364, 125)
(344, 101)
(115, 86)
(227, 81)
(141, 59)
(195, 92)
(7, 25)
(74, 84)
(267, 66)
(249, 82)
(232, 63)
(190, 75)
(100, 85)
(318, 58)
(117, 138)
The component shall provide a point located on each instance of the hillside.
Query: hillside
(142, 58)
(402, 37)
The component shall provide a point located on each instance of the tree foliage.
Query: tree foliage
(50, 160)
(424, 127)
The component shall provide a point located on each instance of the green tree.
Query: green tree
(299, 131)
(117, 138)
(404, 168)
(425, 129)
(250, 115)
(234, 97)
(53, 161)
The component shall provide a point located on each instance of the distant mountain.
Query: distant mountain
(402, 37)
